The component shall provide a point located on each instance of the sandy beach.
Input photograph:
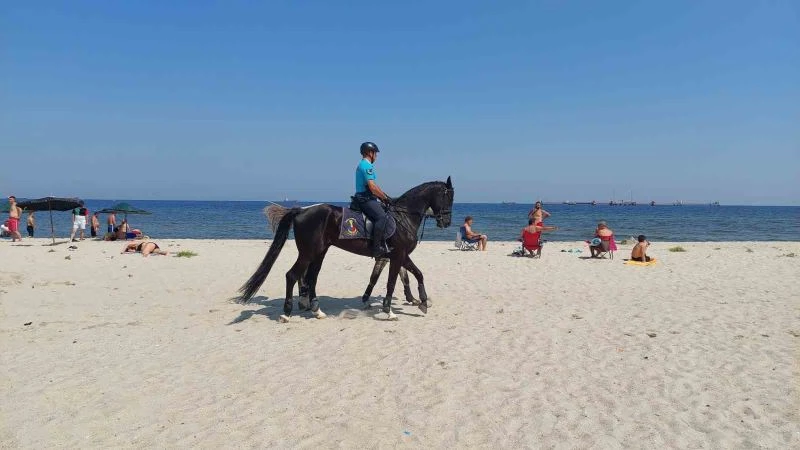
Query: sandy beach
(106, 350)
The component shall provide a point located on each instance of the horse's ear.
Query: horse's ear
(449, 183)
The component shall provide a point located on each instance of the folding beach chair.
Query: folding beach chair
(608, 248)
(532, 242)
(463, 244)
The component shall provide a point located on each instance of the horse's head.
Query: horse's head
(441, 203)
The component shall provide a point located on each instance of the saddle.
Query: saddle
(356, 224)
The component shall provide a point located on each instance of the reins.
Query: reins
(405, 212)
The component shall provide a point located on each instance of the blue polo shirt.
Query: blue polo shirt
(364, 172)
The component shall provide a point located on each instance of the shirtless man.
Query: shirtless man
(472, 237)
(538, 214)
(14, 213)
(112, 222)
(639, 252)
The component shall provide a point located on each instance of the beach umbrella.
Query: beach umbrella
(124, 208)
(51, 204)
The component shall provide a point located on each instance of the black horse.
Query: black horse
(316, 228)
(276, 212)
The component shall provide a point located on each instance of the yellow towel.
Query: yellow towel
(631, 262)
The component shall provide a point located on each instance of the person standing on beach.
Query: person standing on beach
(538, 214)
(14, 213)
(367, 195)
(78, 221)
(112, 222)
(95, 224)
(31, 224)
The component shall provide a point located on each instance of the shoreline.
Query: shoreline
(107, 350)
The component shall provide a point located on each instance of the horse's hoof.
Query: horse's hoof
(413, 301)
(283, 319)
(423, 307)
(386, 316)
(319, 314)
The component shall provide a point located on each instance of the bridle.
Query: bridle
(446, 211)
(443, 214)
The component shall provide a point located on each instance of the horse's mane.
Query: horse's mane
(417, 189)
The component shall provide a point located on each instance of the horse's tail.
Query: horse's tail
(252, 285)
(274, 215)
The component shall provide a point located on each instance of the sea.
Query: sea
(179, 219)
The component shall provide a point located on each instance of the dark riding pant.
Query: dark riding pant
(371, 207)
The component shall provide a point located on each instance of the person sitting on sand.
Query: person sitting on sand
(605, 235)
(471, 236)
(146, 248)
(122, 230)
(639, 252)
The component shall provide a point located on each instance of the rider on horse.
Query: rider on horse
(367, 195)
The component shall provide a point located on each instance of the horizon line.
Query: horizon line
(600, 203)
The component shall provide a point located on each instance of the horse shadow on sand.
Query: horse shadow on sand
(335, 308)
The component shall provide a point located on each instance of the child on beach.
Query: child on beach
(639, 252)
(31, 224)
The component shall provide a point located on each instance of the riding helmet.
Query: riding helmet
(368, 147)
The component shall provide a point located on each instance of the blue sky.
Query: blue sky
(559, 100)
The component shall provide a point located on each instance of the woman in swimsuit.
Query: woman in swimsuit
(538, 214)
(146, 248)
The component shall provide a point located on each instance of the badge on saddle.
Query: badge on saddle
(356, 226)
(353, 226)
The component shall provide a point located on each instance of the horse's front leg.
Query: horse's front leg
(423, 296)
(376, 272)
(407, 287)
(394, 270)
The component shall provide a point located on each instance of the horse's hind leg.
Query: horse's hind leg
(376, 272)
(302, 285)
(311, 278)
(394, 269)
(292, 276)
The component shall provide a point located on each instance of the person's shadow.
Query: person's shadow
(350, 308)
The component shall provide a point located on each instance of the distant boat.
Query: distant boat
(652, 203)
(508, 203)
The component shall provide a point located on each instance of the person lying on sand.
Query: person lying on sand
(146, 248)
